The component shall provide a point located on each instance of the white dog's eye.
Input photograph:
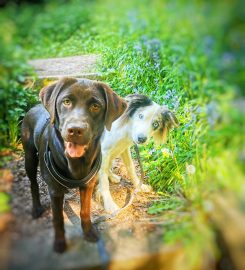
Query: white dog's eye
(155, 125)
(141, 116)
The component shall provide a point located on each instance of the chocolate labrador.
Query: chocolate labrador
(63, 134)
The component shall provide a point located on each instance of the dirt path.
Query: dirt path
(81, 66)
(130, 241)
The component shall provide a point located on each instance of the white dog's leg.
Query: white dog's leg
(104, 189)
(114, 178)
(127, 159)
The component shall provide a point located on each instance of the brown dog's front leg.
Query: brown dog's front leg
(90, 232)
(58, 222)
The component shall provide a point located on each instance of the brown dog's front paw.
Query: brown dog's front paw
(37, 212)
(92, 235)
(59, 246)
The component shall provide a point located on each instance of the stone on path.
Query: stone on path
(83, 66)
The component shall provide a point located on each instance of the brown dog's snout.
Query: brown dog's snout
(75, 131)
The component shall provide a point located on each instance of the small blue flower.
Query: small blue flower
(209, 41)
(152, 151)
(138, 48)
(228, 59)
(157, 65)
(213, 113)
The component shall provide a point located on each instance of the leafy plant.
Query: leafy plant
(4, 202)
(15, 99)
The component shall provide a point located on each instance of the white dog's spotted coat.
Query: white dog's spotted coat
(138, 127)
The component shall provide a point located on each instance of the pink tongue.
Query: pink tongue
(74, 150)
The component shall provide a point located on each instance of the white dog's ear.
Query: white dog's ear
(168, 121)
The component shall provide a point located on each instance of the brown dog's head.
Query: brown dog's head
(80, 109)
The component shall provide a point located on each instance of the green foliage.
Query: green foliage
(168, 203)
(44, 30)
(4, 200)
(15, 99)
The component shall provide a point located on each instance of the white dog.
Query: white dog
(142, 120)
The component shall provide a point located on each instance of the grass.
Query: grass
(4, 200)
(187, 55)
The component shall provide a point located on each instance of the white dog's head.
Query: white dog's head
(147, 119)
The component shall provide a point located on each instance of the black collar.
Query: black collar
(66, 182)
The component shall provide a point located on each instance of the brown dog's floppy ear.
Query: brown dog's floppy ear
(49, 94)
(115, 105)
(45, 93)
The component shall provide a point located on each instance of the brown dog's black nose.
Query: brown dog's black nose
(75, 131)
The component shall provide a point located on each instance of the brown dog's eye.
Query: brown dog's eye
(66, 102)
(94, 107)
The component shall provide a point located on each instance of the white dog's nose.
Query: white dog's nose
(142, 138)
